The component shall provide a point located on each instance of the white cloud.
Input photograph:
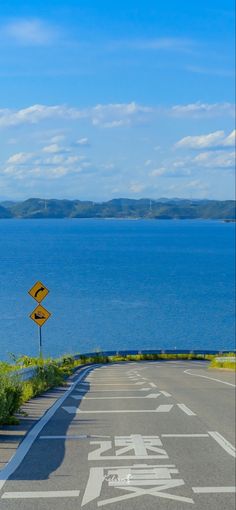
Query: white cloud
(59, 171)
(109, 115)
(29, 32)
(172, 169)
(71, 160)
(148, 162)
(211, 140)
(83, 141)
(57, 138)
(54, 148)
(112, 124)
(37, 113)
(19, 158)
(121, 108)
(229, 141)
(202, 141)
(217, 159)
(54, 160)
(199, 109)
(118, 114)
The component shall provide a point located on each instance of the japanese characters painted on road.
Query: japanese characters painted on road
(120, 483)
(40, 315)
(135, 480)
(129, 447)
(38, 291)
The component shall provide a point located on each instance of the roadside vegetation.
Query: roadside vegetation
(14, 392)
(53, 372)
(226, 364)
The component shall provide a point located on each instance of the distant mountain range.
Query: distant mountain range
(162, 208)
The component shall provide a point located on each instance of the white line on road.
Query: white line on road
(115, 389)
(79, 397)
(136, 457)
(116, 384)
(27, 442)
(104, 379)
(184, 435)
(213, 490)
(228, 447)
(40, 494)
(211, 378)
(186, 410)
(163, 408)
(165, 393)
(153, 385)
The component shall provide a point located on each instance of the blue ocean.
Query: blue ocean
(117, 284)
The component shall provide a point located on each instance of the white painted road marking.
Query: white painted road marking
(40, 494)
(163, 408)
(228, 447)
(213, 490)
(186, 410)
(27, 442)
(116, 384)
(138, 480)
(211, 378)
(136, 445)
(115, 389)
(165, 393)
(184, 435)
(79, 397)
(153, 385)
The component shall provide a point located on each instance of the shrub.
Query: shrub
(11, 390)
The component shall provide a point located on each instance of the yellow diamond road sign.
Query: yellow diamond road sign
(39, 291)
(40, 315)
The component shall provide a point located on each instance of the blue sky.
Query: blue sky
(106, 99)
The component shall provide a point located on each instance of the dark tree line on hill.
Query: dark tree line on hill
(120, 208)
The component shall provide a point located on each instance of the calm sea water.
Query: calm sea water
(117, 285)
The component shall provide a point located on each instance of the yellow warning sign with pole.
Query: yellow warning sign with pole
(40, 315)
(38, 291)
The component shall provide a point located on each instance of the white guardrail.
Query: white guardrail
(25, 374)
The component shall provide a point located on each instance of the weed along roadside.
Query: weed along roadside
(49, 373)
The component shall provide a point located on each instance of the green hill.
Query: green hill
(120, 208)
(5, 213)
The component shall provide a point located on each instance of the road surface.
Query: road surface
(130, 436)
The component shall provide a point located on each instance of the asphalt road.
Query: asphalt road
(131, 436)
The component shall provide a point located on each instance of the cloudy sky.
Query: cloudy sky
(103, 99)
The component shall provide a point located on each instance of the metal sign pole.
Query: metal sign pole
(40, 342)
